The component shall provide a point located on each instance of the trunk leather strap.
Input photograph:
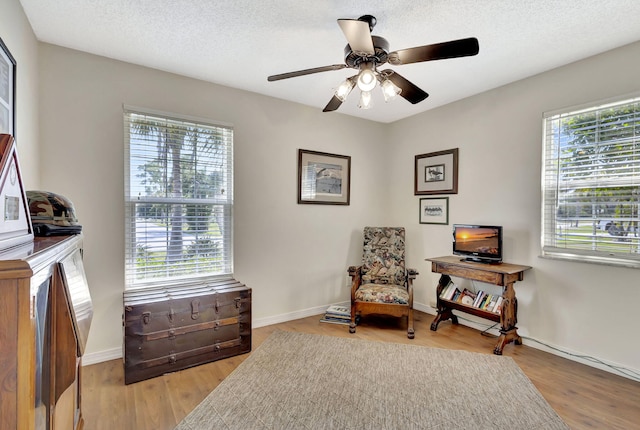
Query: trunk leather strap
(177, 331)
(176, 356)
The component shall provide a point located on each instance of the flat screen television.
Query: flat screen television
(478, 243)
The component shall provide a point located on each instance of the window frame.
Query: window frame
(551, 194)
(130, 201)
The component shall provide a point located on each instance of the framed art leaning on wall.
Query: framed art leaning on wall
(7, 91)
(323, 178)
(437, 173)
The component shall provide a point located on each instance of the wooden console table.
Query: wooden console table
(503, 274)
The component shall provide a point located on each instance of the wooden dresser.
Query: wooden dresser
(45, 315)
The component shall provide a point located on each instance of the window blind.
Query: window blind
(178, 199)
(591, 184)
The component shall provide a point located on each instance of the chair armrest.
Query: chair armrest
(354, 270)
(356, 280)
(412, 273)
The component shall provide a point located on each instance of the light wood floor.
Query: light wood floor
(585, 398)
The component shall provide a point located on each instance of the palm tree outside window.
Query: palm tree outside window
(178, 199)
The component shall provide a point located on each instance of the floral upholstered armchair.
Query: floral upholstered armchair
(382, 284)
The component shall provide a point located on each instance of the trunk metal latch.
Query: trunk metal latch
(195, 309)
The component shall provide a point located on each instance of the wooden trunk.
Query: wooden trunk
(166, 330)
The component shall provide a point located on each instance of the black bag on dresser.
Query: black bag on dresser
(166, 330)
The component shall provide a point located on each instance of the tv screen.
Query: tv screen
(480, 243)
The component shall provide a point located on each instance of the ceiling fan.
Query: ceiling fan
(365, 53)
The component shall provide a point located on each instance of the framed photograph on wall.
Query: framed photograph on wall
(437, 173)
(434, 210)
(7, 91)
(323, 178)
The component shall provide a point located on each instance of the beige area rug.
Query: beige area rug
(304, 381)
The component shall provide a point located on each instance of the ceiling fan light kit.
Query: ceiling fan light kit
(365, 53)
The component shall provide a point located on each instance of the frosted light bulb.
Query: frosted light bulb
(365, 100)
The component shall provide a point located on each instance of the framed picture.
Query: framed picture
(323, 178)
(15, 221)
(7, 91)
(434, 210)
(437, 173)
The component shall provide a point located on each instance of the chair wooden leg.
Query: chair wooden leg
(410, 331)
(352, 327)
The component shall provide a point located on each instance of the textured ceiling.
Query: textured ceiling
(238, 43)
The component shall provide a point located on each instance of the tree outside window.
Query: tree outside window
(179, 200)
(591, 184)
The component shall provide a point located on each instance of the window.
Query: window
(178, 200)
(591, 184)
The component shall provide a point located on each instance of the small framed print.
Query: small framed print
(437, 173)
(434, 210)
(323, 178)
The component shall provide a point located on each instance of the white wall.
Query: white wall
(294, 257)
(584, 308)
(17, 35)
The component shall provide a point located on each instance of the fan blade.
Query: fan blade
(437, 51)
(333, 104)
(305, 72)
(358, 35)
(410, 92)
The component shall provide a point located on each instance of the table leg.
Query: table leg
(508, 320)
(444, 313)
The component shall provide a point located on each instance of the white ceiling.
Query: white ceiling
(238, 43)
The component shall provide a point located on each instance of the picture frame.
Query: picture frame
(436, 173)
(434, 210)
(323, 178)
(15, 219)
(7, 91)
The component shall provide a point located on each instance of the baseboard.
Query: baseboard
(424, 308)
(276, 319)
(101, 356)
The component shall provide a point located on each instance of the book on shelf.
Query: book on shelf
(498, 307)
(444, 290)
(486, 299)
(448, 291)
(492, 304)
(456, 295)
(467, 297)
(479, 296)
